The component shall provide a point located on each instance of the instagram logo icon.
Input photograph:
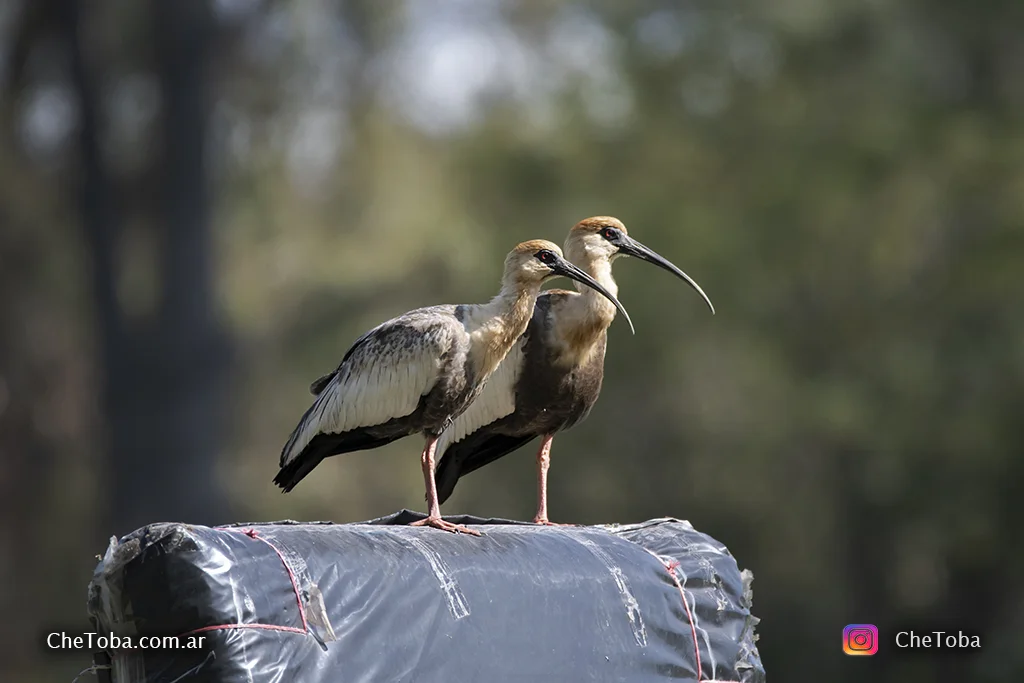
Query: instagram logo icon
(860, 639)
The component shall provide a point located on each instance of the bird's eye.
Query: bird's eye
(608, 233)
(545, 256)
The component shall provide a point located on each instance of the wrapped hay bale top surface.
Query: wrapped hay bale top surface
(381, 601)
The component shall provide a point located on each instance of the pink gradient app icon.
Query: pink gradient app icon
(860, 639)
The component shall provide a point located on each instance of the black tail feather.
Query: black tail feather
(292, 473)
(324, 446)
(471, 454)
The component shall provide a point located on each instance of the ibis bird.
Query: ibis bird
(552, 376)
(418, 372)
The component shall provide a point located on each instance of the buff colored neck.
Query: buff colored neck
(496, 325)
(592, 302)
(580, 321)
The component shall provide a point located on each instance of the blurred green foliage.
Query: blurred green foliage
(843, 178)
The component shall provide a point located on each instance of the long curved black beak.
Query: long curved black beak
(563, 267)
(630, 247)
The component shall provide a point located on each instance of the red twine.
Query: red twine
(671, 567)
(251, 533)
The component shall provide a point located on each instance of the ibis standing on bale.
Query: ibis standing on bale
(418, 372)
(552, 376)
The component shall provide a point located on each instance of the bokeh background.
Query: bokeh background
(204, 203)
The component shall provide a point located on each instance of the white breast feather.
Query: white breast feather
(496, 400)
(384, 378)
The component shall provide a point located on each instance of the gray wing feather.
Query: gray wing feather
(497, 399)
(382, 377)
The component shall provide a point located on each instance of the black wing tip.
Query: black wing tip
(288, 475)
(323, 446)
(447, 473)
(285, 488)
(477, 450)
(296, 470)
(285, 481)
(444, 490)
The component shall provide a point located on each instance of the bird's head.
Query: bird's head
(604, 238)
(596, 238)
(531, 263)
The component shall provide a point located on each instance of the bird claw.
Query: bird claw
(547, 522)
(441, 524)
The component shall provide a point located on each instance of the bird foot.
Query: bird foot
(547, 522)
(441, 524)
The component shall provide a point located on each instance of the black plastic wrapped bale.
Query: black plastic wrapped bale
(382, 601)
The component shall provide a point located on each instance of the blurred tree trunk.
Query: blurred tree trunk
(166, 375)
(27, 457)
